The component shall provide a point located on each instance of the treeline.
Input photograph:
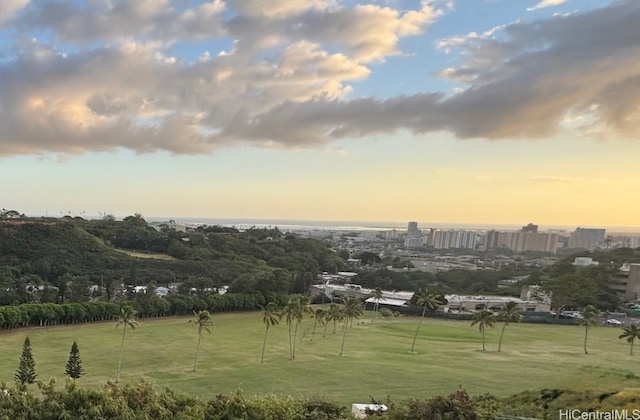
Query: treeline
(146, 305)
(452, 281)
(58, 260)
(144, 401)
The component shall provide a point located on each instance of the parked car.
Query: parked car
(571, 314)
(614, 322)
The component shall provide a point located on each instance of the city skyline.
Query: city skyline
(452, 111)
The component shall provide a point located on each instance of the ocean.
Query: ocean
(350, 225)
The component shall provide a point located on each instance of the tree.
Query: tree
(292, 312)
(126, 318)
(74, 367)
(484, 319)
(333, 314)
(589, 314)
(377, 295)
(270, 316)
(352, 309)
(510, 312)
(428, 299)
(203, 321)
(630, 333)
(319, 316)
(26, 373)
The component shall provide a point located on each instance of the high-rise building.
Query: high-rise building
(523, 241)
(530, 228)
(413, 231)
(447, 239)
(587, 238)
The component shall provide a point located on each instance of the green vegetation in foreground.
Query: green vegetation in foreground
(376, 362)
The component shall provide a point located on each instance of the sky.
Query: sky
(440, 111)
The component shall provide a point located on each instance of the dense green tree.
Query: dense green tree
(630, 332)
(509, 313)
(428, 299)
(352, 310)
(270, 317)
(26, 373)
(74, 367)
(483, 319)
(203, 321)
(589, 318)
(126, 318)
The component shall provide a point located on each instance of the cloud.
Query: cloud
(9, 8)
(282, 75)
(546, 3)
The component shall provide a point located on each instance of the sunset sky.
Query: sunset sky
(442, 111)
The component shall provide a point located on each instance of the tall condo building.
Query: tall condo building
(447, 239)
(587, 238)
(413, 231)
(523, 241)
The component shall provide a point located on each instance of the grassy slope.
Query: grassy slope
(376, 361)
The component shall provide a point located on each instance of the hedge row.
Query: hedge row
(45, 314)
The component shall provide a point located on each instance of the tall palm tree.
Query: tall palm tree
(333, 314)
(428, 299)
(203, 321)
(510, 312)
(484, 319)
(305, 308)
(270, 316)
(319, 316)
(126, 318)
(352, 309)
(589, 314)
(292, 312)
(377, 295)
(630, 332)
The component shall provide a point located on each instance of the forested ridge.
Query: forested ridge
(62, 259)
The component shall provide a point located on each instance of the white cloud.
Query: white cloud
(546, 3)
(9, 8)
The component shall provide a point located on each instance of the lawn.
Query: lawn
(376, 361)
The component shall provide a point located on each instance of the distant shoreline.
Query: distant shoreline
(293, 224)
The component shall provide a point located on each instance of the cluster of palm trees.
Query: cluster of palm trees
(295, 309)
(510, 312)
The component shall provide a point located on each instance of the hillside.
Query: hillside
(57, 252)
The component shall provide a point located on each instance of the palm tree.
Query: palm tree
(203, 321)
(333, 314)
(484, 319)
(589, 314)
(292, 312)
(630, 333)
(270, 316)
(377, 295)
(510, 312)
(352, 309)
(428, 299)
(126, 318)
(319, 316)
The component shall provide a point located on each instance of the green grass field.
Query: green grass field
(376, 362)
